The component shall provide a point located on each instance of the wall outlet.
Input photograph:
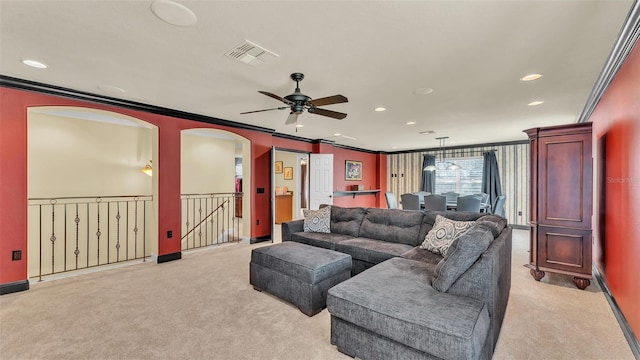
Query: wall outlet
(169, 234)
(519, 213)
(257, 222)
(260, 190)
(16, 255)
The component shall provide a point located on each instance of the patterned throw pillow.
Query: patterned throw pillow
(443, 233)
(318, 221)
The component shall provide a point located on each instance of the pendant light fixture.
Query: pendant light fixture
(434, 167)
(451, 166)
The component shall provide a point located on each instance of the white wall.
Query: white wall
(207, 165)
(73, 157)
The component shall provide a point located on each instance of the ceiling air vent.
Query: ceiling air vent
(252, 54)
(428, 132)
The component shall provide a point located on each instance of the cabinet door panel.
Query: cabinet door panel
(568, 250)
(565, 181)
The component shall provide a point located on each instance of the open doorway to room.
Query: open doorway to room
(291, 185)
(90, 203)
(214, 164)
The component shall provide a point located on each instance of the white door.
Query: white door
(320, 180)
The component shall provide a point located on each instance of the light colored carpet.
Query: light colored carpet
(202, 307)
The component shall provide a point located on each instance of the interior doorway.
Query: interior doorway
(290, 185)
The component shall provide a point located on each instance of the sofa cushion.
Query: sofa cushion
(317, 220)
(395, 299)
(422, 255)
(443, 233)
(494, 222)
(371, 250)
(430, 219)
(346, 221)
(393, 225)
(463, 252)
(327, 241)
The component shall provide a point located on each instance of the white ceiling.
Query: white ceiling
(472, 53)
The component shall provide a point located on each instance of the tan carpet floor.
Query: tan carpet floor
(202, 307)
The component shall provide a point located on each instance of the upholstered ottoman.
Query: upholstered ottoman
(298, 273)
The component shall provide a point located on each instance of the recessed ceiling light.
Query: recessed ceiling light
(531, 77)
(173, 13)
(423, 91)
(534, 103)
(411, 122)
(299, 125)
(34, 63)
(379, 109)
(337, 134)
(111, 89)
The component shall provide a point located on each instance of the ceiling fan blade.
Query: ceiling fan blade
(335, 99)
(329, 113)
(255, 111)
(292, 119)
(275, 97)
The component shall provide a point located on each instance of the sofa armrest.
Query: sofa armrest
(489, 280)
(291, 227)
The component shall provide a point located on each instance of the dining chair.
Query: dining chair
(451, 196)
(468, 203)
(410, 202)
(498, 207)
(391, 200)
(435, 203)
(484, 198)
(485, 206)
(421, 193)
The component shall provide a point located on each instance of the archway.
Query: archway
(89, 202)
(214, 206)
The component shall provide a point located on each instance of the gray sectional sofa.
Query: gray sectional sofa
(404, 302)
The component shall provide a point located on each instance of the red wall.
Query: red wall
(369, 178)
(13, 172)
(616, 131)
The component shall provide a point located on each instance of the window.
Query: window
(465, 181)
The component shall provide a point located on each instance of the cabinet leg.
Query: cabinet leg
(537, 274)
(581, 283)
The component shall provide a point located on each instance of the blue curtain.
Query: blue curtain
(491, 177)
(428, 177)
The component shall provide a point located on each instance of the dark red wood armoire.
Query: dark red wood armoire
(561, 202)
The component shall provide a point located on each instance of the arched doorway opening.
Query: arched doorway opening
(89, 202)
(214, 205)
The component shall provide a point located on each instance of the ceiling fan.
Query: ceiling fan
(298, 102)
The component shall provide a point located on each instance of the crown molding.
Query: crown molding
(627, 38)
(27, 85)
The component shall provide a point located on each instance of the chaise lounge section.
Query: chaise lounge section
(410, 303)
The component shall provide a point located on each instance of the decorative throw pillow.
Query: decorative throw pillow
(462, 254)
(318, 221)
(444, 231)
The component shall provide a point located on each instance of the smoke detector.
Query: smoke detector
(251, 54)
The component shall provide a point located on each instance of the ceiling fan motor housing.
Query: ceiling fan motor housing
(298, 102)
